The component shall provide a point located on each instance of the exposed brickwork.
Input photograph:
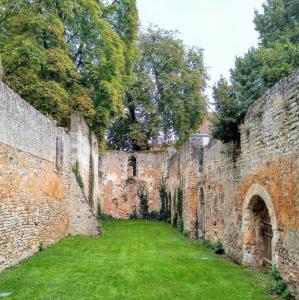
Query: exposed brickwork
(268, 164)
(40, 200)
(119, 190)
(33, 205)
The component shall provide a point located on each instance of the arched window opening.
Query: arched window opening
(132, 166)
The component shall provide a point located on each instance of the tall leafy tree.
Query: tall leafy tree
(64, 56)
(260, 68)
(225, 125)
(165, 103)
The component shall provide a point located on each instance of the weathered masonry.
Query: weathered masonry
(252, 197)
(246, 196)
(40, 199)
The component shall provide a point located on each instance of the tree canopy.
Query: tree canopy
(165, 101)
(64, 56)
(260, 68)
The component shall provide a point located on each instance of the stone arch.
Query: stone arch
(132, 166)
(257, 207)
(202, 214)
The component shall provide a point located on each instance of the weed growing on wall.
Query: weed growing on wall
(91, 174)
(178, 209)
(165, 214)
(134, 215)
(102, 216)
(76, 171)
(218, 247)
(143, 195)
(279, 287)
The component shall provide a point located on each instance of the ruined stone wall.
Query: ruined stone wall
(184, 172)
(119, 189)
(267, 166)
(40, 201)
(85, 151)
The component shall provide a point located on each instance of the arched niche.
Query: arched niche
(259, 228)
(132, 166)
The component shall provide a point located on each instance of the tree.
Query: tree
(260, 68)
(165, 102)
(1, 69)
(279, 22)
(64, 56)
(37, 62)
(229, 111)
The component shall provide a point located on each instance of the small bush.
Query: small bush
(279, 287)
(40, 246)
(218, 247)
(207, 244)
(275, 274)
(165, 214)
(143, 195)
(134, 215)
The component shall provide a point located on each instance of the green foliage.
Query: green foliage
(76, 171)
(275, 273)
(165, 101)
(91, 176)
(218, 247)
(207, 244)
(178, 203)
(279, 287)
(225, 124)
(143, 195)
(102, 216)
(40, 246)
(260, 68)
(278, 22)
(180, 199)
(65, 56)
(165, 214)
(1, 69)
(134, 215)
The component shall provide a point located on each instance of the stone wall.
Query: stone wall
(265, 167)
(119, 188)
(40, 200)
(85, 151)
(184, 172)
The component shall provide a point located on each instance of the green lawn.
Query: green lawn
(132, 260)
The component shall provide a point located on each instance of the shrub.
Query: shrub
(218, 247)
(143, 195)
(165, 214)
(40, 246)
(207, 244)
(134, 215)
(279, 286)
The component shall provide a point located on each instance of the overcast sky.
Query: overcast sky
(223, 28)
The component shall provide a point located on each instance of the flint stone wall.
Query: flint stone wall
(119, 189)
(40, 199)
(267, 162)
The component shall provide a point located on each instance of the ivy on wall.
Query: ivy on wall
(76, 171)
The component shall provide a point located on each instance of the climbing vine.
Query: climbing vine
(165, 214)
(91, 174)
(143, 195)
(178, 203)
(76, 171)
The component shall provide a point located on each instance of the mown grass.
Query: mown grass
(132, 260)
